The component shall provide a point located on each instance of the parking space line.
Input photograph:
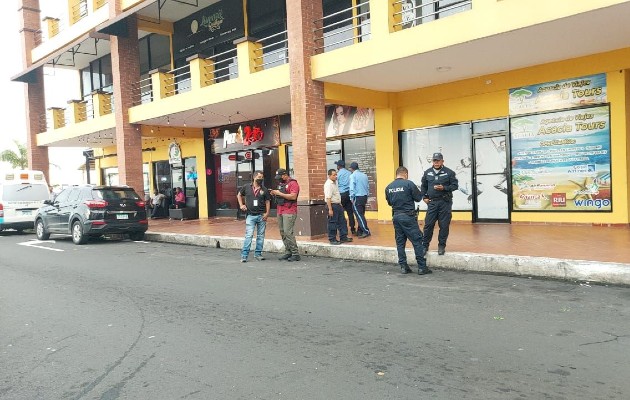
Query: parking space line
(34, 243)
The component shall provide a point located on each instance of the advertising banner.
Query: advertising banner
(561, 161)
(219, 23)
(588, 90)
(346, 120)
(247, 135)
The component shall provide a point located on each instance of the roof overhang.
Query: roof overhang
(118, 26)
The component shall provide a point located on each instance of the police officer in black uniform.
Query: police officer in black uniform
(402, 195)
(438, 184)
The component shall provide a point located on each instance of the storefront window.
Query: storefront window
(190, 176)
(226, 181)
(454, 142)
(362, 151)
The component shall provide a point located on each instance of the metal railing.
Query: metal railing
(142, 92)
(417, 12)
(79, 10)
(343, 28)
(225, 66)
(274, 51)
(178, 81)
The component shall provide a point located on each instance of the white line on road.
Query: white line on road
(34, 243)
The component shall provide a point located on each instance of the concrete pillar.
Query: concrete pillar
(201, 72)
(307, 117)
(126, 73)
(30, 32)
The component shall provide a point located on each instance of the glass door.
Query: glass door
(491, 179)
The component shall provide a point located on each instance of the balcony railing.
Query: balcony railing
(274, 51)
(223, 67)
(343, 28)
(178, 80)
(411, 13)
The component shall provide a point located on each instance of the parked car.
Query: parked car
(22, 193)
(92, 211)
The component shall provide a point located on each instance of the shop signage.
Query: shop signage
(346, 120)
(247, 135)
(174, 154)
(587, 90)
(561, 161)
(216, 24)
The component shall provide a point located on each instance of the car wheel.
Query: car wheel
(40, 230)
(77, 233)
(136, 236)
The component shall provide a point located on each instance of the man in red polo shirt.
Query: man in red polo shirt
(286, 198)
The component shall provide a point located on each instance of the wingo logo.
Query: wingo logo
(597, 203)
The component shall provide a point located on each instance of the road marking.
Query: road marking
(34, 243)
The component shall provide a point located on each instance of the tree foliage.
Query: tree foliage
(17, 159)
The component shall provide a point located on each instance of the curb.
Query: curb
(541, 267)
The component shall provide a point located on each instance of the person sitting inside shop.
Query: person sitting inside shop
(180, 198)
(157, 204)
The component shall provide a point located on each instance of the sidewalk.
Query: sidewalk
(584, 253)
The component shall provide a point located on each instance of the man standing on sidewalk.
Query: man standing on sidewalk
(359, 190)
(336, 219)
(437, 185)
(402, 195)
(256, 201)
(286, 199)
(343, 182)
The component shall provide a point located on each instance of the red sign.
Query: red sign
(558, 199)
(248, 155)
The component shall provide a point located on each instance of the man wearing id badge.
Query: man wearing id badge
(256, 201)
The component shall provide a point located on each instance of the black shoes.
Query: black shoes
(285, 257)
(441, 250)
(354, 232)
(335, 242)
(346, 240)
(424, 271)
(363, 235)
(294, 257)
(404, 269)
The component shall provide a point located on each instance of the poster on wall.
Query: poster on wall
(561, 161)
(587, 90)
(453, 141)
(346, 120)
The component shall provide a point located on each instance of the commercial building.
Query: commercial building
(527, 100)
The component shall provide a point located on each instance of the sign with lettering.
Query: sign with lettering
(174, 154)
(247, 135)
(561, 161)
(588, 90)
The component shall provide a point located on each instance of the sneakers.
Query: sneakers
(259, 258)
(335, 242)
(424, 271)
(441, 250)
(243, 260)
(285, 257)
(294, 257)
(346, 240)
(363, 235)
(404, 269)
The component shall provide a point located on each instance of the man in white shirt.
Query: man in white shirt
(336, 217)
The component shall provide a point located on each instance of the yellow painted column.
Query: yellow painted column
(387, 155)
(162, 84)
(382, 18)
(57, 117)
(201, 71)
(77, 110)
(619, 98)
(102, 102)
(249, 55)
(52, 25)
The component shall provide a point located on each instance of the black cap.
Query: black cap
(354, 165)
(281, 172)
(438, 156)
(340, 163)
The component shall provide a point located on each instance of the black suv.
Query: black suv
(91, 211)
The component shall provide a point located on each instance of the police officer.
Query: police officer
(438, 184)
(402, 195)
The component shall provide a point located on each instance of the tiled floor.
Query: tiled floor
(580, 242)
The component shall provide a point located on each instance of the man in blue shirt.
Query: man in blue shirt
(359, 190)
(343, 181)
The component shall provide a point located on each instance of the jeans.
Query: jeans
(286, 222)
(250, 223)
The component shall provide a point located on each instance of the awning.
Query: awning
(29, 75)
(118, 26)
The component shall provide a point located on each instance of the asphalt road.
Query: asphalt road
(135, 320)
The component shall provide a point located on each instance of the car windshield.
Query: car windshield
(24, 192)
(115, 194)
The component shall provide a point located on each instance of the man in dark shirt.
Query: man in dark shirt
(402, 195)
(256, 201)
(437, 185)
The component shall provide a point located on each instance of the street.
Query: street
(116, 319)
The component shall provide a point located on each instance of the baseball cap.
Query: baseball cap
(281, 172)
(340, 163)
(438, 156)
(354, 165)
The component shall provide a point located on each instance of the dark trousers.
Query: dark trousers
(337, 223)
(406, 227)
(346, 203)
(359, 212)
(438, 211)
